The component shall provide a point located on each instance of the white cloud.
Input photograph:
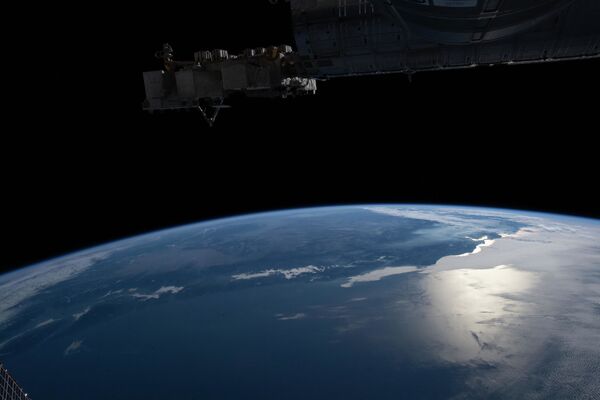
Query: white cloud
(282, 317)
(73, 347)
(478, 239)
(377, 275)
(145, 297)
(294, 272)
(169, 289)
(111, 292)
(262, 274)
(486, 243)
(158, 293)
(19, 335)
(81, 314)
(33, 280)
(508, 249)
(47, 322)
(287, 273)
(442, 215)
(477, 219)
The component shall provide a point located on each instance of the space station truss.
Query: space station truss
(341, 38)
(9, 389)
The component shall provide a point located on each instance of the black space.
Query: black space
(91, 167)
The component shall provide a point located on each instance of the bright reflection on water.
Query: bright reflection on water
(470, 309)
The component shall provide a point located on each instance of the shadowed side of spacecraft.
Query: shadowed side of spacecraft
(9, 389)
(204, 83)
(337, 38)
(341, 38)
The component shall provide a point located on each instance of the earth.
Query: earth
(359, 302)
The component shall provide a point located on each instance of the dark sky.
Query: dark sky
(93, 167)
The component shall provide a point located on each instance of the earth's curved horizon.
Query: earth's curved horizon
(353, 301)
(226, 218)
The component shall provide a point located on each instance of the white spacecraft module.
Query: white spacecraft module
(336, 38)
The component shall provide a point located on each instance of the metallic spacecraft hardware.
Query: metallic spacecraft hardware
(9, 389)
(355, 37)
(337, 38)
(213, 75)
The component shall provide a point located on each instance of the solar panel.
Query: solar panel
(9, 389)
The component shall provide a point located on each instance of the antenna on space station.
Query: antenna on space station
(9, 389)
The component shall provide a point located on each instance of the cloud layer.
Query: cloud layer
(377, 275)
(287, 273)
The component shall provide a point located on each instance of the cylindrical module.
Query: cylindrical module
(468, 21)
(355, 37)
